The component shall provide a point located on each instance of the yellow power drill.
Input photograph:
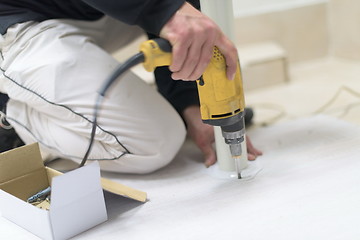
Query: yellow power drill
(221, 100)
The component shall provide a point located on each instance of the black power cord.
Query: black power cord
(134, 60)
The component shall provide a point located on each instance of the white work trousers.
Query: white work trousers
(52, 71)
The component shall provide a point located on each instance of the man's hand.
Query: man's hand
(193, 37)
(203, 136)
(252, 152)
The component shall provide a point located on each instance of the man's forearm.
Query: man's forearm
(151, 15)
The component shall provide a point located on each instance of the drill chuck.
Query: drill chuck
(235, 150)
(234, 135)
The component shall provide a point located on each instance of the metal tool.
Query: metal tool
(41, 195)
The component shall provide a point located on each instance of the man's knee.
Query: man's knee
(157, 154)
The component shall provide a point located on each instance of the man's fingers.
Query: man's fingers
(251, 157)
(230, 53)
(180, 54)
(189, 63)
(209, 156)
(204, 59)
(252, 151)
(198, 55)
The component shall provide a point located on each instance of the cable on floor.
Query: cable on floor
(282, 113)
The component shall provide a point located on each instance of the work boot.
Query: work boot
(8, 137)
(249, 114)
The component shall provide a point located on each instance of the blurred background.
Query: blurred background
(298, 57)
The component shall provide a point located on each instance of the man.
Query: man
(55, 54)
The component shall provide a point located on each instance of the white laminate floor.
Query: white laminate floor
(307, 189)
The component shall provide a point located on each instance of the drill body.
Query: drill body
(221, 100)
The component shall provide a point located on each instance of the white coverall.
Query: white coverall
(52, 71)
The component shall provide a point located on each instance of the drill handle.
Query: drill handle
(157, 52)
(163, 44)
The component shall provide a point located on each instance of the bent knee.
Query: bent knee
(158, 161)
(165, 150)
(162, 153)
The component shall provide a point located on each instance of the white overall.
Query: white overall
(52, 71)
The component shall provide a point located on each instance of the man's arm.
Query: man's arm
(192, 34)
(151, 15)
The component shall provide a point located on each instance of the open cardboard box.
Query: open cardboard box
(77, 198)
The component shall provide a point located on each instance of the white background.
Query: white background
(252, 7)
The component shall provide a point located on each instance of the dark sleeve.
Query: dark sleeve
(151, 15)
(3, 100)
(180, 94)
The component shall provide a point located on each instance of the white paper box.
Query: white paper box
(77, 199)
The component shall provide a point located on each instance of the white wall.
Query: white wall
(301, 30)
(253, 7)
(344, 28)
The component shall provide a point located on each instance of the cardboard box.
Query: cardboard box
(77, 199)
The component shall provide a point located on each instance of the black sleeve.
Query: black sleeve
(180, 94)
(3, 100)
(151, 15)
